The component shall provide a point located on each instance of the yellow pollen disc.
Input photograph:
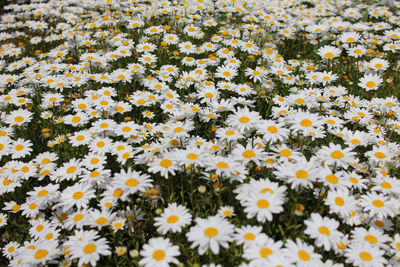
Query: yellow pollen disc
(301, 174)
(370, 84)
(366, 256)
(132, 182)
(117, 192)
(192, 156)
(18, 119)
(76, 119)
(324, 230)
(222, 165)
(329, 55)
(19, 147)
(341, 245)
(380, 155)
(94, 174)
(248, 154)
(77, 195)
(306, 123)
(285, 152)
(265, 252)
(126, 129)
(158, 255)
(303, 255)
(339, 201)
(211, 232)
(45, 161)
(381, 224)
(249, 236)
(43, 193)
(371, 239)
(78, 217)
(89, 248)
(16, 207)
(165, 163)
(94, 161)
(263, 204)
(178, 129)
(244, 119)
(100, 144)
(353, 180)
(386, 185)
(172, 219)
(227, 213)
(272, 129)
(40, 254)
(71, 169)
(101, 220)
(230, 132)
(355, 141)
(337, 154)
(332, 179)
(265, 190)
(378, 203)
(48, 236)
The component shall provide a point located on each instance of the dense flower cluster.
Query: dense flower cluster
(222, 133)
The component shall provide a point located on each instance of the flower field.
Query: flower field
(200, 133)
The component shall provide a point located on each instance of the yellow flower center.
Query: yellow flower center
(89, 248)
(339, 201)
(172, 219)
(101, 220)
(324, 230)
(132, 182)
(77, 195)
(366, 256)
(158, 255)
(40, 254)
(165, 163)
(301, 174)
(71, 169)
(230, 132)
(211, 232)
(378, 203)
(371, 239)
(303, 255)
(380, 155)
(265, 252)
(249, 236)
(306, 123)
(337, 154)
(248, 154)
(263, 204)
(192, 156)
(370, 84)
(222, 165)
(332, 179)
(272, 129)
